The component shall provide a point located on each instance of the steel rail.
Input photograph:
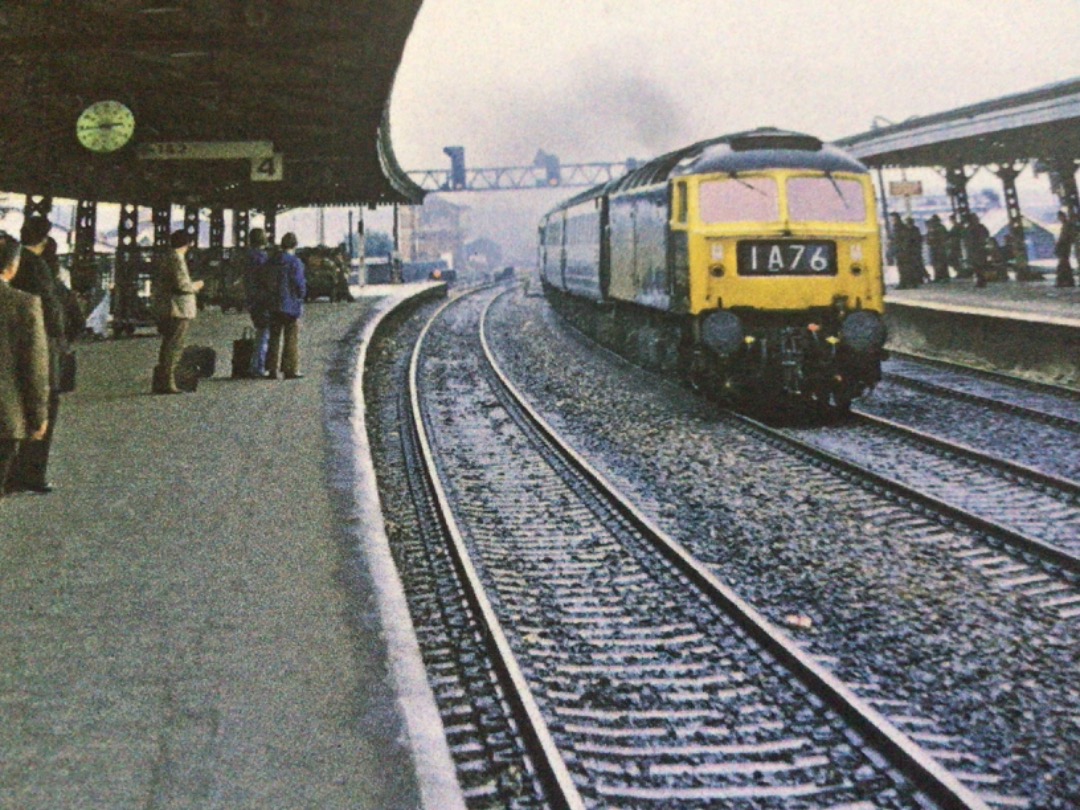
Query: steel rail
(1049, 553)
(1012, 468)
(555, 776)
(905, 754)
(1004, 407)
(996, 376)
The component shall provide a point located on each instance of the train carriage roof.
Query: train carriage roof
(753, 150)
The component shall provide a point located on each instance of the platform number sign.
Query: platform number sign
(267, 169)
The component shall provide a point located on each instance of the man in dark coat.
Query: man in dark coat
(29, 470)
(917, 267)
(285, 320)
(902, 252)
(938, 240)
(260, 289)
(1063, 251)
(956, 247)
(24, 364)
(977, 234)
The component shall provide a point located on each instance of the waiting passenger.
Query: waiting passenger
(175, 308)
(938, 240)
(29, 470)
(285, 316)
(24, 364)
(260, 288)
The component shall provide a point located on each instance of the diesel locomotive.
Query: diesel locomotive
(750, 264)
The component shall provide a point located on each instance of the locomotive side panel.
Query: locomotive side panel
(639, 248)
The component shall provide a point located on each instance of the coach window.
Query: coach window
(739, 199)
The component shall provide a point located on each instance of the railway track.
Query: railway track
(1048, 404)
(1029, 522)
(638, 678)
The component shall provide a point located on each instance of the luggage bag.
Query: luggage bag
(242, 350)
(195, 362)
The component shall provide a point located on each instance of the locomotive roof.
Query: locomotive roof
(763, 148)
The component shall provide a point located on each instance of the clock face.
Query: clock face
(105, 126)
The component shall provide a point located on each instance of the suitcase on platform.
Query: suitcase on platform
(242, 350)
(195, 362)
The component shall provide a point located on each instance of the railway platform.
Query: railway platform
(1030, 329)
(200, 614)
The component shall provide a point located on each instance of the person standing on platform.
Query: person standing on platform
(24, 364)
(175, 308)
(1063, 251)
(915, 257)
(938, 240)
(977, 234)
(29, 470)
(900, 251)
(956, 246)
(260, 287)
(285, 319)
(74, 317)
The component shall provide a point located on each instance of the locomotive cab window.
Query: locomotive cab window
(825, 199)
(739, 199)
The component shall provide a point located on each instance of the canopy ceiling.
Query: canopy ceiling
(310, 77)
(1043, 123)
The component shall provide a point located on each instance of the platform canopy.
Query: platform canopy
(236, 103)
(1038, 124)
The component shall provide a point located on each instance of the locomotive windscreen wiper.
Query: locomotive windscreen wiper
(839, 193)
(734, 176)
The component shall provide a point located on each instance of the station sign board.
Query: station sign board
(266, 164)
(905, 188)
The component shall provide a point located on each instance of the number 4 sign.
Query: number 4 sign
(268, 169)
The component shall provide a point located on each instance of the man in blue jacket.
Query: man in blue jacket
(285, 320)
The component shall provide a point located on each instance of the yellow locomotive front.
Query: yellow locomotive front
(784, 278)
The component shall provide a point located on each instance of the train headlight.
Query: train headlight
(722, 332)
(863, 332)
(717, 271)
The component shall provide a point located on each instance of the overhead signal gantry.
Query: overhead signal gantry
(546, 171)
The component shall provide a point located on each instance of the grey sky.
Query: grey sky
(610, 79)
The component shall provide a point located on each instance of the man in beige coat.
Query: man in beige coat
(174, 304)
(24, 363)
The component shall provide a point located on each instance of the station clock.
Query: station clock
(105, 126)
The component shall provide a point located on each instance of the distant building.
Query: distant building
(1039, 238)
(483, 256)
(433, 231)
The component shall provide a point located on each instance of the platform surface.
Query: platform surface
(182, 621)
(1034, 301)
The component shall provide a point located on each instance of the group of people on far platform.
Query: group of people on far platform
(274, 286)
(968, 248)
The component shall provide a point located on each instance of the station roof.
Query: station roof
(1043, 123)
(312, 78)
